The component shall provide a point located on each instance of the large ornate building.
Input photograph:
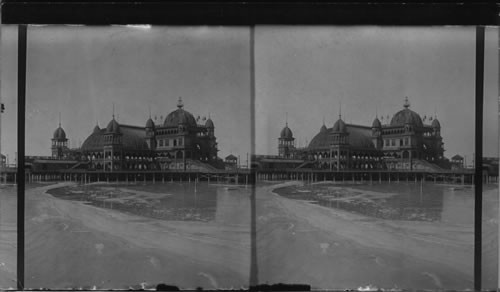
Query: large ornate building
(180, 142)
(404, 143)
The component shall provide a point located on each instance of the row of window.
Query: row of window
(170, 142)
(56, 143)
(109, 138)
(167, 132)
(396, 131)
(397, 142)
(343, 157)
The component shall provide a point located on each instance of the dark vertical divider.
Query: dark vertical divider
(253, 232)
(21, 102)
(478, 180)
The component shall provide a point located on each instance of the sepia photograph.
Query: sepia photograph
(365, 156)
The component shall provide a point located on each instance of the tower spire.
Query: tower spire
(59, 119)
(286, 119)
(180, 104)
(149, 111)
(340, 109)
(113, 110)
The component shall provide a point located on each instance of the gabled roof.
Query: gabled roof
(133, 138)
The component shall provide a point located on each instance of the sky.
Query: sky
(308, 72)
(81, 71)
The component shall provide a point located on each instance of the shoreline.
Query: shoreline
(412, 241)
(192, 245)
(346, 215)
(352, 239)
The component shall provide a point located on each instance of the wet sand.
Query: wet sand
(490, 236)
(70, 244)
(300, 242)
(8, 237)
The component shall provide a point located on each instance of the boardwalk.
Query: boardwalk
(248, 176)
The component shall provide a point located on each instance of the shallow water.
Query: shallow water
(397, 201)
(171, 201)
(406, 235)
(294, 245)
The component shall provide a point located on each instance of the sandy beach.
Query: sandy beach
(70, 244)
(8, 237)
(300, 242)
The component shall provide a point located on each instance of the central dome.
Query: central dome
(180, 116)
(406, 116)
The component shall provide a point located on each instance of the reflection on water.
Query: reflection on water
(404, 201)
(172, 201)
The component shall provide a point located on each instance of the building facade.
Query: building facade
(181, 142)
(404, 143)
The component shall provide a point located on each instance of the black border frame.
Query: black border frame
(226, 12)
(253, 13)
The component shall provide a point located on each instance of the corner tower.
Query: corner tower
(59, 142)
(286, 142)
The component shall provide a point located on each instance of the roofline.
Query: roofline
(359, 126)
(132, 126)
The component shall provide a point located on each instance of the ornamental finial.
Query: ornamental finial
(407, 104)
(340, 110)
(180, 104)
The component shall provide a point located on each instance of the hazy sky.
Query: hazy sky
(81, 71)
(309, 71)
(305, 71)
